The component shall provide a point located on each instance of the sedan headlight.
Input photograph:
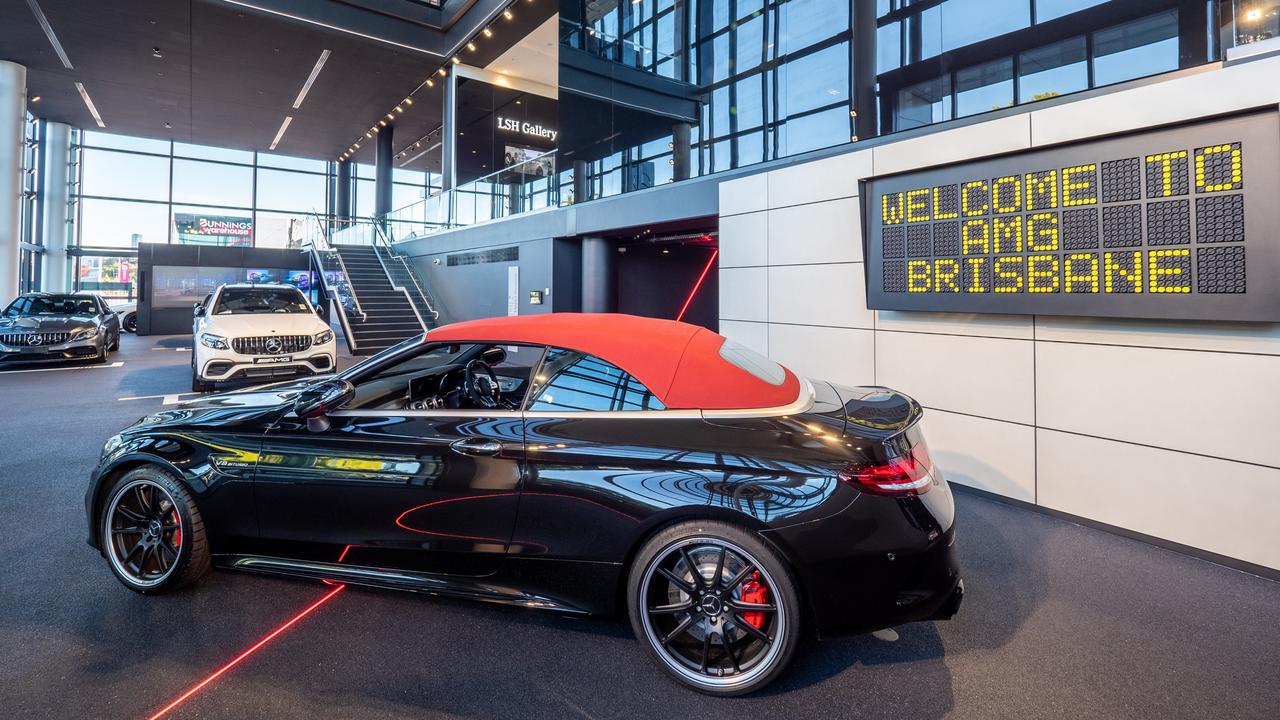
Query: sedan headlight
(89, 334)
(217, 342)
(324, 337)
(112, 443)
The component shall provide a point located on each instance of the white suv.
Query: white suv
(251, 331)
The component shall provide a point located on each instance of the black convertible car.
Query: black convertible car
(580, 463)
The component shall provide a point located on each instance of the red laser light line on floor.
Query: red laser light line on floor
(698, 284)
(240, 658)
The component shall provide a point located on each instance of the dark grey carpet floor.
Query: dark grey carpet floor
(1061, 621)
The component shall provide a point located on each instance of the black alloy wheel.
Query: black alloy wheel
(131, 322)
(152, 533)
(716, 607)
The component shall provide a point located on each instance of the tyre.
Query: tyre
(101, 357)
(131, 322)
(198, 385)
(115, 343)
(717, 608)
(152, 533)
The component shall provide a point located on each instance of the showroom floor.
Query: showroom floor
(1060, 620)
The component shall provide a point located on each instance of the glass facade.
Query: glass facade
(774, 78)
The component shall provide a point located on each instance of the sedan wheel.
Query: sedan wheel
(152, 532)
(716, 607)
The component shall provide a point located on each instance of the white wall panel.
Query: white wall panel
(840, 355)
(833, 295)
(1005, 326)
(754, 335)
(823, 232)
(745, 194)
(826, 179)
(1221, 506)
(1004, 134)
(990, 455)
(1218, 404)
(744, 294)
(1223, 336)
(744, 240)
(989, 377)
(1202, 94)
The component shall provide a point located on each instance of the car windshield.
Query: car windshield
(240, 301)
(52, 305)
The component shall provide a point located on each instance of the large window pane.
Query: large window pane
(278, 230)
(750, 37)
(805, 22)
(1050, 9)
(1136, 49)
(206, 152)
(957, 23)
(1053, 70)
(291, 163)
(824, 129)
(923, 104)
(819, 79)
(114, 278)
(364, 198)
(284, 190)
(206, 183)
(125, 175)
(117, 223)
(984, 87)
(402, 195)
(124, 142)
(888, 47)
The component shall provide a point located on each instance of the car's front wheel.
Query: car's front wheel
(198, 385)
(716, 606)
(152, 532)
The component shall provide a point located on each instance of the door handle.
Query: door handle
(476, 446)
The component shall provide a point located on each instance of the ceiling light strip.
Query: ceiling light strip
(239, 658)
(306, 86)
(280, 133)
(88, 102)
(48, 32)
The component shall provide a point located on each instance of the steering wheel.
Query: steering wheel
(481, 384)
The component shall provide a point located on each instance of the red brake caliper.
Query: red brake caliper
(754, 591)
(177, 531)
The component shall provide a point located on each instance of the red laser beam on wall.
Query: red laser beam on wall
(241, 657)
(698, 284)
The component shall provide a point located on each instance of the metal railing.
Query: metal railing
(403, 277)
(518, 188)
(334, 276)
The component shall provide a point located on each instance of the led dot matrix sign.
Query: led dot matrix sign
(1172, 223)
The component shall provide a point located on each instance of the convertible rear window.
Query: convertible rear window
(573, 381)
(743, 357)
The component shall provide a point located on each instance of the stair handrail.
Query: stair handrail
(382, 241)
(318, 241)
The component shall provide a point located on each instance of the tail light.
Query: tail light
(901, 476)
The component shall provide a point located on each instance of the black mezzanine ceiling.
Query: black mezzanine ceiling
(226, 73)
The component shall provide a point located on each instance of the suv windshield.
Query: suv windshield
(52, 305)
(239, 301)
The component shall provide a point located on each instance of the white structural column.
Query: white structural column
(13, 103)
(56, 207)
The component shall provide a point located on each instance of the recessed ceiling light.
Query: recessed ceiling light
(280, 133)
(168, 126)
(471, 46)
(507, 14)
(88, 102)
(408, 101)
(455, 60)
(315, 71)
(35, 98)
(488, 32)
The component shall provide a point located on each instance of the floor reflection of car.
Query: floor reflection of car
(580, 463)
(258, 332)
(128, 314)
(45, 327)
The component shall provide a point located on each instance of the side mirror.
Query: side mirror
(197, 310)
(317, 401)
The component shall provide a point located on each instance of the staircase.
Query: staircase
(389, 315)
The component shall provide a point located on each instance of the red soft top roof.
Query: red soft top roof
(680, 363)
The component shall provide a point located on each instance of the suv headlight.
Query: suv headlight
(89, 334)
(324, 337)
(217, 342)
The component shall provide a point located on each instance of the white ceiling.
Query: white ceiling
(536, 57)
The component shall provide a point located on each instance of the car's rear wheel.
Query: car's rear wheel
(152, 532)
(131, 322)
(717, 607)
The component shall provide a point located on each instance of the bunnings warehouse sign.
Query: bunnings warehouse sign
(224, 230)
(1173, 223)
